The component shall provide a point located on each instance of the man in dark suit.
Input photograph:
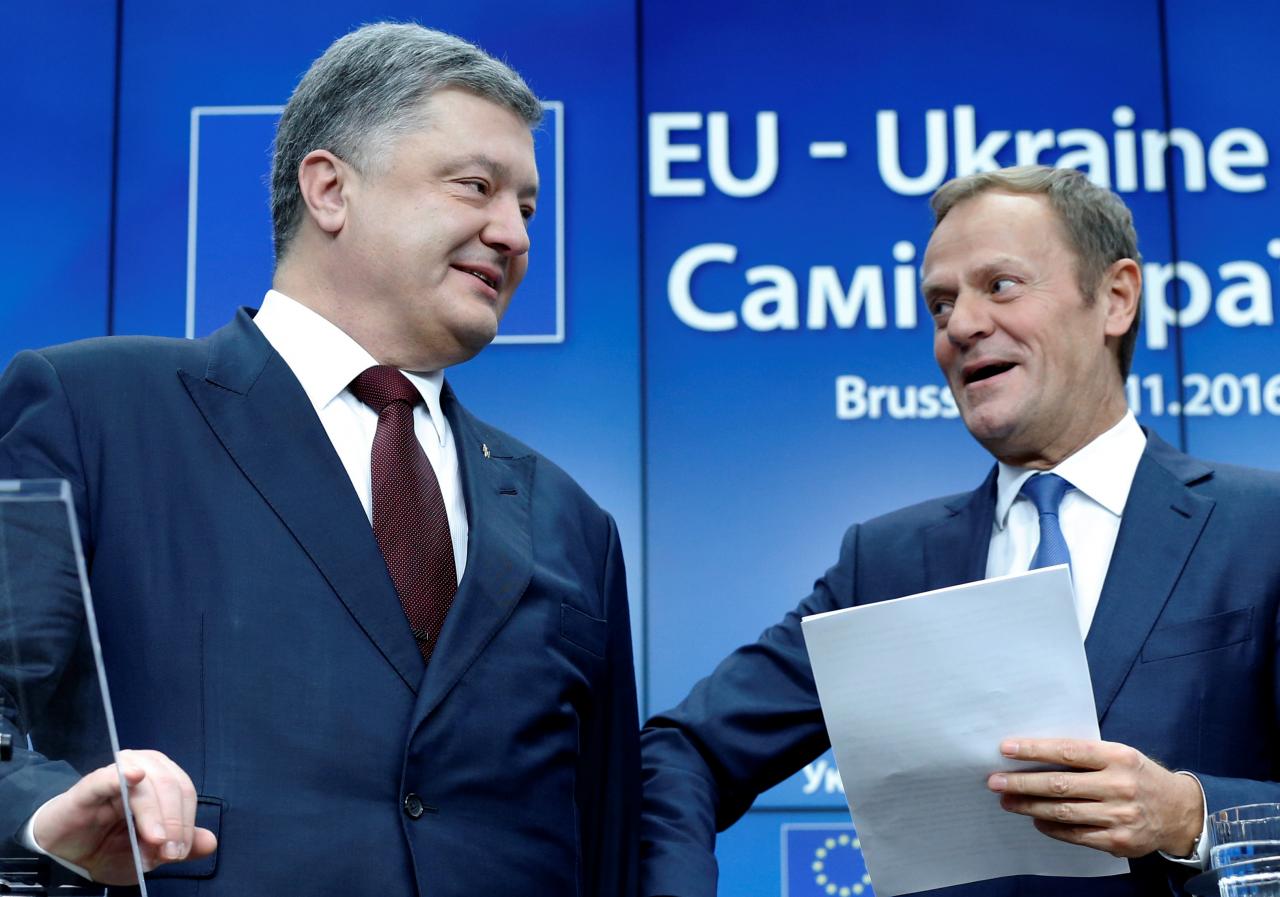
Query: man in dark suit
(313, 708)
(1033, 279)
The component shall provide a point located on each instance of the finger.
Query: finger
(1118, 842)
(1056, 784)
(188, 811)
(132, 776)
(102, 786)
(156, 805)
(1071, 752)
(1061, 812)
(148, 818)
(1089, 836)
(175, 799)
(203, 843)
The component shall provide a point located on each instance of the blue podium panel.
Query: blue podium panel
(791, 388)
(781, 853)
(56, 115)
(201, 93)
(1228, 130)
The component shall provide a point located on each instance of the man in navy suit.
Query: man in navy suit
(1033, 279)
(297, 724)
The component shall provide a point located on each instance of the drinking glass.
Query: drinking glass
(1245, 850)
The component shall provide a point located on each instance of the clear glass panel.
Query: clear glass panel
(55, 712)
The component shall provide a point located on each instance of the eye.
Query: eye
(940, 309)
(526, 212)
(479, 186)
(1001, 284)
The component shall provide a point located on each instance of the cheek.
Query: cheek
(515, 273)
(943, 352)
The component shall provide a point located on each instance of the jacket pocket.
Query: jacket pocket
(1195, 636)
(208, 815)
(584, 630)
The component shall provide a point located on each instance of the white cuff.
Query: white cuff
(28, 840)
(1199, 857)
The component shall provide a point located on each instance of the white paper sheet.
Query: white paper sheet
(919, 692)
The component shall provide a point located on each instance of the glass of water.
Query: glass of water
(1245, 850)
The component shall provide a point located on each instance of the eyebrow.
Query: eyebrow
(983, 272)
(999, 264)
(498, 170)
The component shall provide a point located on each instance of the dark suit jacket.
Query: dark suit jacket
(251, 632)
(1182, 655)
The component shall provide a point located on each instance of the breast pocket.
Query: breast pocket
(1196, 636)
(583, 630)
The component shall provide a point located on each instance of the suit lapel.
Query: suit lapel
(259, 412)
(498, 488)
(955, 551)
(1163, 520)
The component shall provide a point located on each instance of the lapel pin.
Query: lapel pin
(484, 448)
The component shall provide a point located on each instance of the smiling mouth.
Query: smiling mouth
(987, 371)
(480, 276)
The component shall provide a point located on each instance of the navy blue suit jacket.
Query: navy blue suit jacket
(1181, 651)
(252, 633)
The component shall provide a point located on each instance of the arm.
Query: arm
(1128, 804)
(46, 680)
(48, 677)
(610, 751)
(746, 727)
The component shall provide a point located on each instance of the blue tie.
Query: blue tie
(1045, 491)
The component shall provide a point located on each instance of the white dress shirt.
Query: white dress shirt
(325, 360)
(1102, 474)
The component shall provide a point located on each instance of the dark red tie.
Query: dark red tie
(409, 519)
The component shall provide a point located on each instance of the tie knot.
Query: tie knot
(381, 385)
(1045, 491)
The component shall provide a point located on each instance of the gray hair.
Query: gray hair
(369, 88)
(1098, 225)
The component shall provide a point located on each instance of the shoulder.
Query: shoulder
(91, 378)
(1245, 498)
(913, 522)
(111, 369)
(113, 357)
(1229, 483)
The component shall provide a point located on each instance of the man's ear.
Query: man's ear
(323, 179)
(1121, 290)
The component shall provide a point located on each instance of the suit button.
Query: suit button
(412, 805)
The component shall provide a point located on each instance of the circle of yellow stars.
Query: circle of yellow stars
(819, 866)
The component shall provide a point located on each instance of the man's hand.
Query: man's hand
(85, 825)
(1120, 801)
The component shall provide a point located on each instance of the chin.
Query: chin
(988, 428)
(473, 339)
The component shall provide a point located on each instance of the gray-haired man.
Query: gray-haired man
(1033, 280)
(441, 703)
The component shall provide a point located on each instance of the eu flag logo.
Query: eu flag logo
(821, 860)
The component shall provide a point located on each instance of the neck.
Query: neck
(1067, 442)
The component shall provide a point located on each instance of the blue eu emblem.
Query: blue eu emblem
(820, 860)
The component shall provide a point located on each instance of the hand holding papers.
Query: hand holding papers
(918, 694)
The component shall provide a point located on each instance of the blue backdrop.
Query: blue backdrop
(720, 336)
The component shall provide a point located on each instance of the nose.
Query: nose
(507, 231)
(970, 320)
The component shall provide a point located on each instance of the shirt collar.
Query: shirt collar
(1103, 470)
(325, 359)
